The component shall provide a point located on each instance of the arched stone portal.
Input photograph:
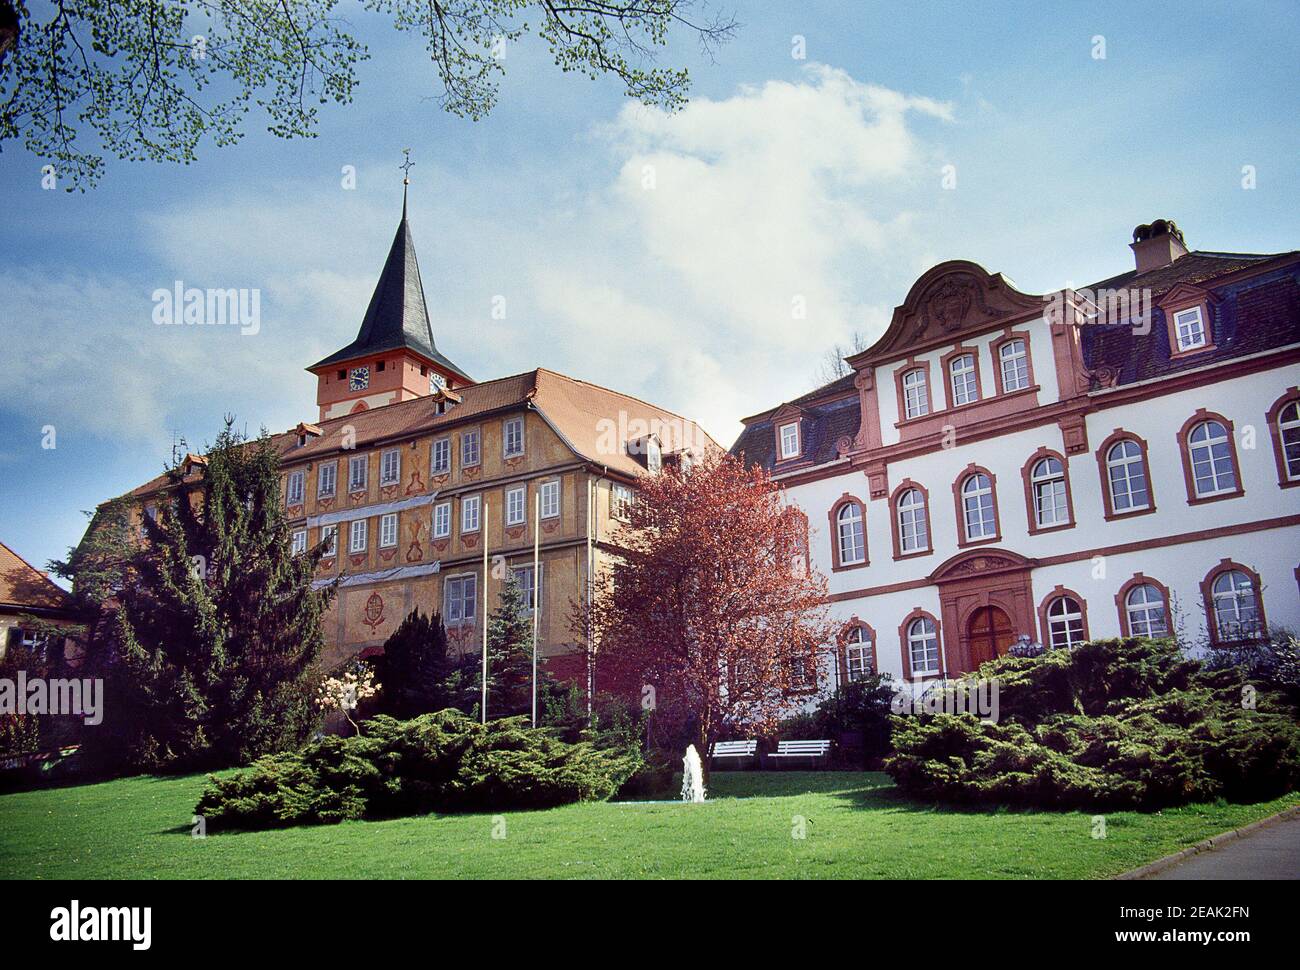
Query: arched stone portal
(987, 603)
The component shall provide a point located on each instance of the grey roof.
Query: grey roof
(1252, 315)
(397, 316)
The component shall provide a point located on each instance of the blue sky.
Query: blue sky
(818, 180)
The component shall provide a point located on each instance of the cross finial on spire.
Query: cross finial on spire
(406, 177)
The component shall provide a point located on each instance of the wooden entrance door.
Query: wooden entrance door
(990, 635)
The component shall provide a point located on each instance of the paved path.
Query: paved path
(1271, 852)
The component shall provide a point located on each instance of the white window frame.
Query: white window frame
(912, 515)
(1289, 426)
(1143, 614)
(980, 507)
(390, 458)
(388, 530)
(1017, 378)
(442, 520)
(295, 487)
(358, 535)
(1190, 330)
(620, 500)
(329, 537)
(298, 544)
(1220, 466)
(550, 492)
(468, 438)
(517, 505)
(440, 449)
(851, 534)
(512, 428)
(964, 380)
(654, 456)
(1130, 469)
(530, 590)
(1230, 626)
(470, 518)
(1047, 486)
(790, 440)
(1064, 623)
(859, 652)
(455, 600)
(362, 462)
(916, 393)
(332, 467)
(922, 634)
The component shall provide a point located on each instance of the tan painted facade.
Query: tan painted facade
(370, 605)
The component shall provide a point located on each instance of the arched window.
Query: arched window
(916, 393)
(1048, 496)
(1144, 611)
(1126, 477)
(979, 520)
(1211, 454)
(849, 523)
(1284, 425)
(797, 547)
(1235, 603)
(1209, 458)
(963, 380)
(859, 653)
(1065, 626)
(913, 530)
(1288, 427)
(1013, 362)
(1065, 618)
(923, 646)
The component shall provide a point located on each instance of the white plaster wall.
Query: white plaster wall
(1274, 554)
(1040, 353)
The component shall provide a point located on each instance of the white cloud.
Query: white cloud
(682, 293)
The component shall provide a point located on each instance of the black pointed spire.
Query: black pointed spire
(397, 316)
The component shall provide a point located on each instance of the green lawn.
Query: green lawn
(856, 826)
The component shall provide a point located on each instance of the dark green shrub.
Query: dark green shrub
(859, 709)
(442, 762)
(413, 668)
(1111, 724)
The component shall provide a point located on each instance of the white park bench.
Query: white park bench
(735, 749)
(812, 750)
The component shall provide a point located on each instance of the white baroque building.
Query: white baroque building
(1089, 463)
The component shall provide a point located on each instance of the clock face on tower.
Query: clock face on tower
(436, 382)
(359, 379)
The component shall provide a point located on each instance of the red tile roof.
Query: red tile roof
(576, 409)
(23, 585)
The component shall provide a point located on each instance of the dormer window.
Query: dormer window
(654, 458)
(790, 440)
(1189, 326)
(1188, 319)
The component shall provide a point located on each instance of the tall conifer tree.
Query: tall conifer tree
(207, 644)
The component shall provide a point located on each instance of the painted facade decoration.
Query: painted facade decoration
(409, 477)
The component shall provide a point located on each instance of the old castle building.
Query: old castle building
(999, 466)
(413, 469)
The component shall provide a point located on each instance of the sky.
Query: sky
(831, 153)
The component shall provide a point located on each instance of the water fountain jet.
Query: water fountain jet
(692, 777)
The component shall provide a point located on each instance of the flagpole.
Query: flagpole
(483, 522)
(591, 659)
(537, 587)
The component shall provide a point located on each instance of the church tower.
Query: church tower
(394, 357)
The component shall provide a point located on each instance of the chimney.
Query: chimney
(1157, 245)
